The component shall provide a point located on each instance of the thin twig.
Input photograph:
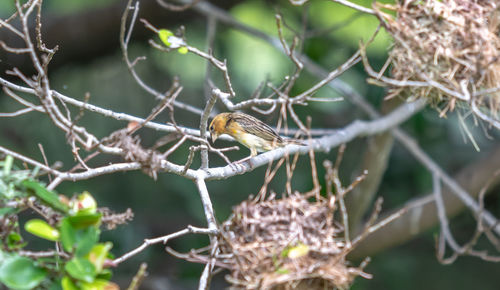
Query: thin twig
(164, 239)
(203, 127)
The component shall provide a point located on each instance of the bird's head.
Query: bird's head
(218, 126)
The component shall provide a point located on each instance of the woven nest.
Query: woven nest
(450, 44)
(288, 243)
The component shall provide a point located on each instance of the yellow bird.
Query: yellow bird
(249, 131)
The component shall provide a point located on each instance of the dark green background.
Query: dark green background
(171, 202)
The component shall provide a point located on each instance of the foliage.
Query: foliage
(82, 262)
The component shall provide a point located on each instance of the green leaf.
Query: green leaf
(81, 269)
(98, 254)
(67, 284)
(85, 220)
(164, 34)
(49, 197)
(8, 190)
(3, 188)
(105, 274)
(42, 229)
(99, 284)
(56, 285)
(15, 241)
(21, 273)
(7, 165)
(83, 239)
(14, 237)
(86, 239)
(3, 257)
(68, 234)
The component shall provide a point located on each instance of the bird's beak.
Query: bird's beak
(214, 136)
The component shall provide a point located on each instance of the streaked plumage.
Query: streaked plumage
(249, 131)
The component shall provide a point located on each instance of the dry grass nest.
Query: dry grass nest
(288, 243)
(450, 49)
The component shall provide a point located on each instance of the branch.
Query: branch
(357, 99)
(459, 192)
(375, 161)
(326, 143)
(421, 212)
(164, 239)
(94, 28)
(207, 203)
(109, 113)
(355, 6)
(203, 127)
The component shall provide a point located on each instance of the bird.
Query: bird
(249, 131)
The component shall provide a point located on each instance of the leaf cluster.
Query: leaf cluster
(80, 261)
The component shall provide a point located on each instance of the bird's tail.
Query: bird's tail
(294, 142)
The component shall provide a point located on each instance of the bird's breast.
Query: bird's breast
(253, 141)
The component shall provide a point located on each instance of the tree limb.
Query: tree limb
(421, 212)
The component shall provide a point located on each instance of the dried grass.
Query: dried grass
(450, 44)
(286, 243)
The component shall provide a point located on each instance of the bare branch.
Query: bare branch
(203, 128)
(420, 213)
(177, 8)
(141, 274)
(326, 143)
(355, 6)
(207, 203)
(164, 239)
(130, 65)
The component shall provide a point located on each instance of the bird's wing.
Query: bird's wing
(256, 127)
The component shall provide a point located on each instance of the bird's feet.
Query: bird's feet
(235, 166)
(240, 164)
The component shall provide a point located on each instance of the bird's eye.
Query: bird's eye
(211, 127)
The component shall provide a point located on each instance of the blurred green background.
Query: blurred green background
(170, 203)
